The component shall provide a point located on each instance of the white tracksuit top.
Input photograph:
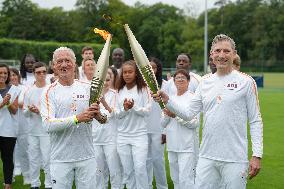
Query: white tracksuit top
(105, 134)
(33, 97)
(133, 122)
(228, 102)
(180, 133)
(170, 88)
(69, 142)
(23, 127)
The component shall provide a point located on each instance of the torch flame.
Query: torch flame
(102, 33)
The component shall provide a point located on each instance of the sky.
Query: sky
(196, 6)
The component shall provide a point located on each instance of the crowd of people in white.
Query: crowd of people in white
(46, 123)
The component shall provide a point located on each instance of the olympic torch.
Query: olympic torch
(143, 63)
(97, 83)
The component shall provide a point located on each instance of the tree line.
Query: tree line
(257, 26)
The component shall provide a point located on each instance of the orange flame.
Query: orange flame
(102, 33)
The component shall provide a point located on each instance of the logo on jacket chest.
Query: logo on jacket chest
(232, 86)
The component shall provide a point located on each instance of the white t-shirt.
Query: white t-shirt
(69, 142)
(133, 122)
(228, 102)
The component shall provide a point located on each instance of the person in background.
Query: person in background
(156, 140)
(39, 141)
(105, 143)
(118, 57)
(89, 68)
(26, 69)
(113, 76)
(87, 53)
(181, 140)
(8, 128)
(21, 148)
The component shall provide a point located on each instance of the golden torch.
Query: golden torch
(97, 83)
(143, 63)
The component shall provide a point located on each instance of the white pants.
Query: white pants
(182, 165)
(156, 161)
(107, 159)
(133, 156)
(39, 152)
(213, 174)
(22, 156)
(63, 173)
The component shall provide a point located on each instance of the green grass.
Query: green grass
(271, 175)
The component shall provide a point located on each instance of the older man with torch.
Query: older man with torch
(67, 109)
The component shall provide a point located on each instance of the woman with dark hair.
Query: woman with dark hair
(26, 69)
(113, 76)
(156, 138)
(21, 159)
(133, 106)
(8, 107)
(181, 140)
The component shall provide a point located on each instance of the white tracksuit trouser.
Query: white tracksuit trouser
(39, 153)
(22, 155)
(182, 169)
(108, 162)
(63, 173)
(212, 174)
(133, 155)
(156, 161)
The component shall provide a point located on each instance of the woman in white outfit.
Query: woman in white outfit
(181, 140)
(108, 162)
(132, 109)
(21, 148)
(8, 128)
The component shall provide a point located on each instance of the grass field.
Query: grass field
(272, 109)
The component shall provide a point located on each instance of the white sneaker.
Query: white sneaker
(27, 181)
(17, 171)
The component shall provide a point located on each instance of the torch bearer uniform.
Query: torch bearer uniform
(156, 158)
(181, 144)
(38, 139)
(228, 102)
(72, 151)
(132, 140)
(106, 147)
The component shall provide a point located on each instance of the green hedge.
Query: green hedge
(42, 50)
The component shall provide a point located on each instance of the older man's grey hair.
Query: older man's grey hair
(60, 49)
(223, 37)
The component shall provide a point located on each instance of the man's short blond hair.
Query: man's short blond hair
(60, 49)
(223, 37)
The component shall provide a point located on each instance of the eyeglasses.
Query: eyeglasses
(40, 72)
(180, 78)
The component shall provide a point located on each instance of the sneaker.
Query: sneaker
(17, 171)
(27, 180)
